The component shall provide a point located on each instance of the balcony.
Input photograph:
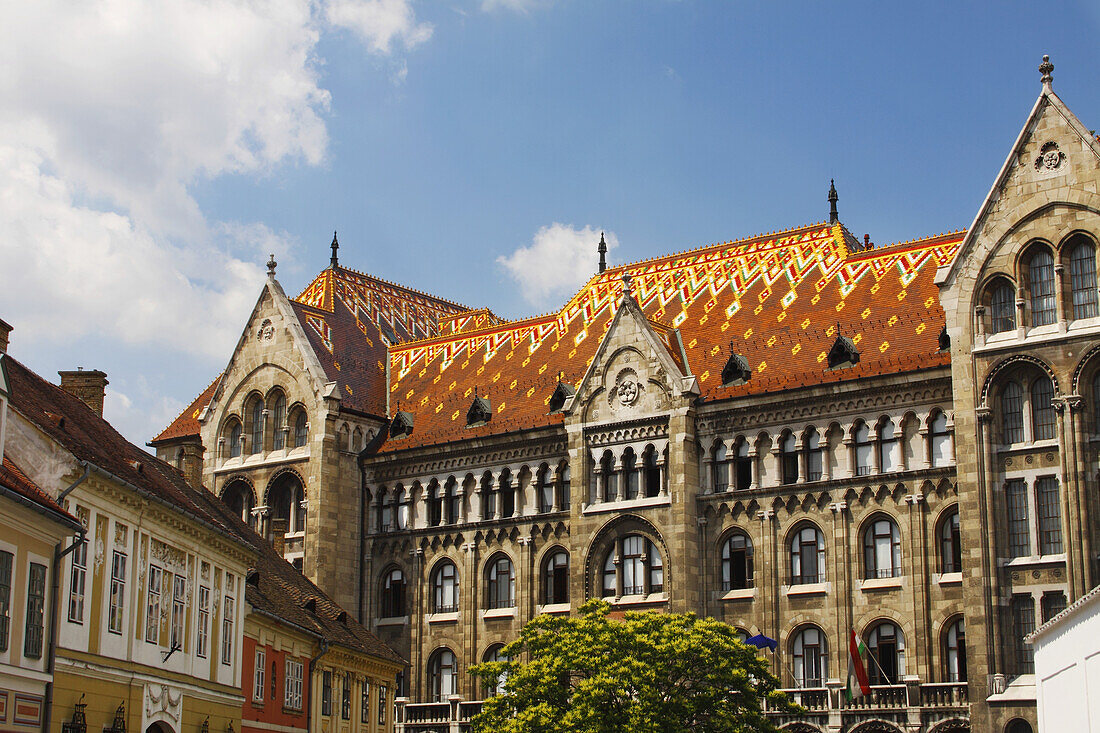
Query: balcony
(911, 706)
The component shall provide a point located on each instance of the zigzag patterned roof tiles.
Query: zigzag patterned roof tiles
(775, 299)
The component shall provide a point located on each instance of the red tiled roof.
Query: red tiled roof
(778, 298)
(88, 437)
(13, 478)
(187, 424)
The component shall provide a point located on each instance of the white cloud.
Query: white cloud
(379, 22)
(558, 261)
(518, 6)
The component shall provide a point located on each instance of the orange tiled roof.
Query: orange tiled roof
(13, 479)
(777, 298)
(187, 423)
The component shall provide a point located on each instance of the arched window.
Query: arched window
(235, 439)
(1018, 725)
(488, 497)
(257, 442)
(721, 467)
(279, 438)
(452, 502)
(502, 583)
(1002, 308)
(882, 549)
(886, 643)
(442, 675)
(493, 654)
(556, 578)
(789, 459)
(640, 570)
(393, 594)
(887, 461)
(1041, 281)
(435, 504)
(507, 494)
(284, 499)
(744, 465)
(807, 555)
(400, 508)
(544, 489)
(630, 474)
(238, 496)
(863, 446)
(941, 440)
(810, 657)
(813, 455)
(1082, 270)
(737, 562)
(950, 543)
(954, 651)
(1012, 414)
(652, 472)
(1043, 419)
(301, 430)
(445, 588)
(1096, 402)
(564, 486)
(385, 511)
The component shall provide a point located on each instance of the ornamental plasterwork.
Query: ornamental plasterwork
(169, 556)
(121, 534)
(1051, 160)
(100, 551)
(627, 433)
(266, 331)
(628, 388)
(162, 700)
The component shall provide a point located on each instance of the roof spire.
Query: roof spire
(626, 285)
(834, 217)
(1046, 69)
(271, 265)
(603, 253)
(334, 261)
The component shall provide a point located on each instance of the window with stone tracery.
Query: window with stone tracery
(1082, 268)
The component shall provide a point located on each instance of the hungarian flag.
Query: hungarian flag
(857, 673)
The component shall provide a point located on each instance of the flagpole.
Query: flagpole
(879, 666)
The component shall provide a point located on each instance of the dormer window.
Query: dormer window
(480, 412)
(945, 340)
(736, 371)
(843, 354)
(401, 425)
(561, 393)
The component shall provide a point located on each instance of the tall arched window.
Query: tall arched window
(501, 583)
(743, 465)
(488, 497)
(279, 437)
(609, 477)
(493, 654)
(887, 461)
(807, 556)
(1041, 281)
(1096, 402)
(737, 566)
(285, 499)
(886, 643)
(435, 504)
(1082, 270)
(400, 508)
(941, 440)
(564, 486)
(393, 594)
(257, 443)
(445, 588)
(442, 675)
(238, 496)
(1043, 419)
(452, 502)
(385, 510)
(507, 494)
(1012, 414)
(1002, 308)
(652, 472)
(882, 549)
(556, 578)
(301, 429)
(639, 570)
(950, 543)
(630, 474)
(863, 446)
(789, 459)
(954, 651)
(721, 467)
(544, 489)
(813, 455)
(810, 657)
(235, 439)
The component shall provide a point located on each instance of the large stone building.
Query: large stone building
(800, 433)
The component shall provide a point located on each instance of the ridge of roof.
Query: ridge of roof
(406, 288)
(895, 247)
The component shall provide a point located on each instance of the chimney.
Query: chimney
(278, 535)
(86, 386)
(5, 331)
(866, 241)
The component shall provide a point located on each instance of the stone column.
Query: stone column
(1085, 500)
(986, 475)
(918, 571)
(1071, 495)
(1060, 295)
(979, 325)
(1020, 311)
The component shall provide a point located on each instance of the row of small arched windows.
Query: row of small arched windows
(267, 426)
(1039, 287)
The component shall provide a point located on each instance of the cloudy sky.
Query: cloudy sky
(153, 152)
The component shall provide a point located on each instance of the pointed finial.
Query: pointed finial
(271, 265)
(602, 249)
(626, 284)
(1047, 70)
(834, 217)
(335, 246)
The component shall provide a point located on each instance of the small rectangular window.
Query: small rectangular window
(293, 688)
(326, 692)
(1019, 531)
(1023, 621)
(36, 607)
(118, 592)
(1053, 603)
(258, 678)
(1050, 515)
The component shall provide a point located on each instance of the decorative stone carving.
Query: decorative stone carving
(1050, 158)
(266, 331)
(628, 388)
(163, 701)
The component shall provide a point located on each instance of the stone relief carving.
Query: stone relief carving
(1050, 158)
(163, 700)
(266, 331)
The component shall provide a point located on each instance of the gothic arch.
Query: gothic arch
(605, 536)
(1014, 360)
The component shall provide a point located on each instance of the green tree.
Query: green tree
(645, 672)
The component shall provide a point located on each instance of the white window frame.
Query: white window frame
(77, 577)
(292, 684)
(202, 636)
(117, 602)
(179, 609)
(259, 681)
(152, 607)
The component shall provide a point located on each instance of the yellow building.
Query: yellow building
(150, 611)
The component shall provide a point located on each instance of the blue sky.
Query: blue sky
(151, 155)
